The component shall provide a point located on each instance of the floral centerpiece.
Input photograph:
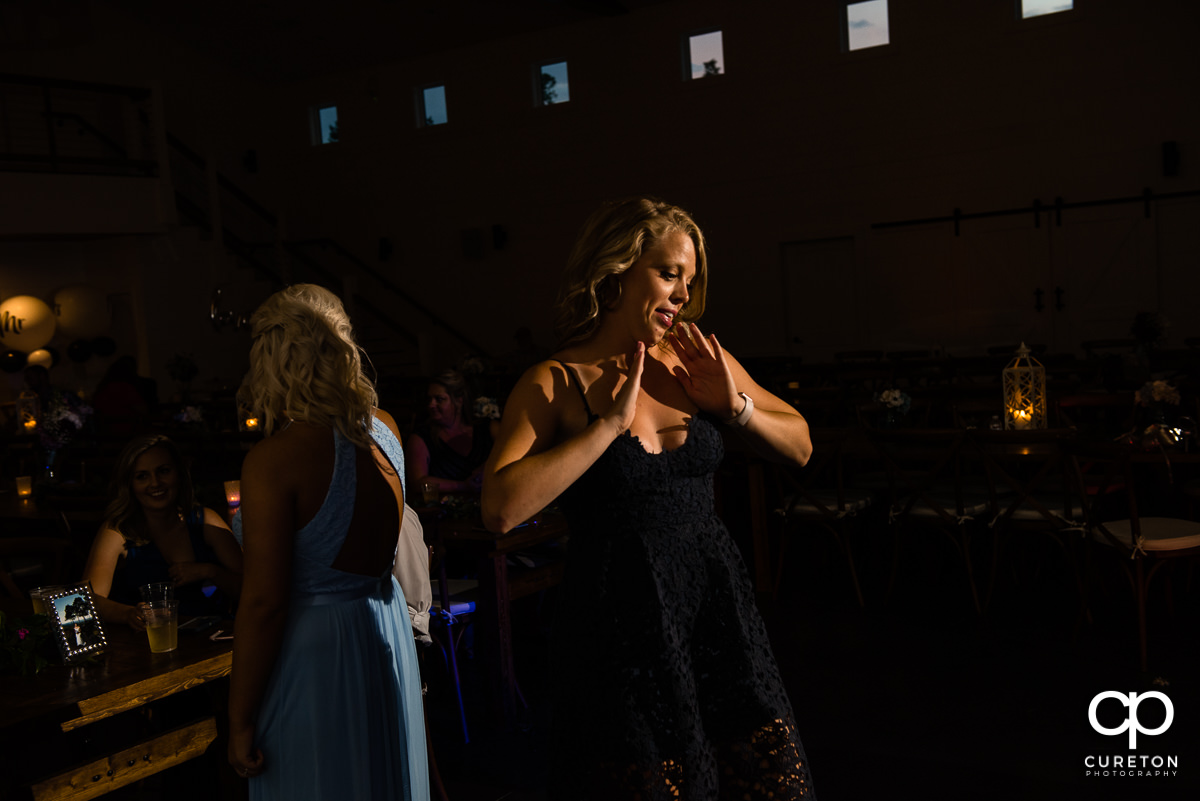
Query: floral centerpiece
(1159, 423)
(25, 644)
(896, 404)
(486, 408)
(63, 417)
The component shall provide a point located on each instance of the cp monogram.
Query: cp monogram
(1131, 723)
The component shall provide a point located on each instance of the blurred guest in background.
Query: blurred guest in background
(123, 400)
(155, 531)
(451, 446)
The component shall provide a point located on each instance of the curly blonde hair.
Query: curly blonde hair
(305, 364)
(612, 239)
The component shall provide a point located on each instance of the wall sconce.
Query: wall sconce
(221, 319)
(29, 412)
(1024, 382)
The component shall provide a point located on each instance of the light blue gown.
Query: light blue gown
(342, 716)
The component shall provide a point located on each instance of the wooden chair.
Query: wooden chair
(815, 498)
(28, 562)
(1144, 545)
(930, 488)
(1032, 494)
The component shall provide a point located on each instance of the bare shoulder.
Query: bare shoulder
(545, 379)
(535, 408)
(288, 453)
(214, 518)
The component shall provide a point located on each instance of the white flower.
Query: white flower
(487, 408)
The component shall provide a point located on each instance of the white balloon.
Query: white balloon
(42, 357)
(26, 323)
(82, 311)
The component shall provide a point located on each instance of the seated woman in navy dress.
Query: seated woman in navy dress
(155, 531)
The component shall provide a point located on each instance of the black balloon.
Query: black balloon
(79, 350)
(11, 361)
(104, 346)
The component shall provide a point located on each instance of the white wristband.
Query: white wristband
(742, 417)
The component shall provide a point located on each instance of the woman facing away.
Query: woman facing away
(668, 686)
(451, 447)
(325, 695)
(155, 531)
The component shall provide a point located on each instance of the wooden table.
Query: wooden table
(498, 588)
(40, 715)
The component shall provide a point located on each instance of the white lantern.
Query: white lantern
(26, 323)
(82, 311)
(1024, 392)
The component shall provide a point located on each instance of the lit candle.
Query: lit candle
(1022, 419)
(24, 486)
(233, 493)
(251, 423)
(30, 425)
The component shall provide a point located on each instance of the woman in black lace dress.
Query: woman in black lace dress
(668, 686)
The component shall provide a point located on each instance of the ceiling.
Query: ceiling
(299, 39)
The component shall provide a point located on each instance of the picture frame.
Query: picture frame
(73, 614)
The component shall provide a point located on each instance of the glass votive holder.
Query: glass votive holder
(159, 591)
(39, 595)
(233, 493)
(24, 486)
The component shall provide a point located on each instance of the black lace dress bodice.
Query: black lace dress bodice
(667, 685)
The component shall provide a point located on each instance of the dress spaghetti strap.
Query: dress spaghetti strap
(592, 416)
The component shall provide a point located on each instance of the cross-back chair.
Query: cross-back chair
(929, 487)
(1120, 518)
(815, 498)
(1032, 493)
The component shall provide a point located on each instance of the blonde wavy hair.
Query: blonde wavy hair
(612, 239)
(305, 364)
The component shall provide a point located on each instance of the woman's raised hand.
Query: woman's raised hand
(705, 375)
(625, 405)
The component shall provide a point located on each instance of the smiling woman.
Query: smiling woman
(667, 685)
(154, 531)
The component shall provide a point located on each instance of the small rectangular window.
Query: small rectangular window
(324, 125)
(867, 24)
(1036, 8)
(551, 85)
(705, 55)
(432, 109)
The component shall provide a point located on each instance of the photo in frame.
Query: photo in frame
(73, 615)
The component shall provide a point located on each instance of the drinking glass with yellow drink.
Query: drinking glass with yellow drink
(162, 624)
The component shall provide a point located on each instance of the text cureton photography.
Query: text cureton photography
(1127, 704)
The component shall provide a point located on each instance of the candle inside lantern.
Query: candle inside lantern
(30, 425)
(24, 486)
(1022, 419)
(233, 493)
(251, 423)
